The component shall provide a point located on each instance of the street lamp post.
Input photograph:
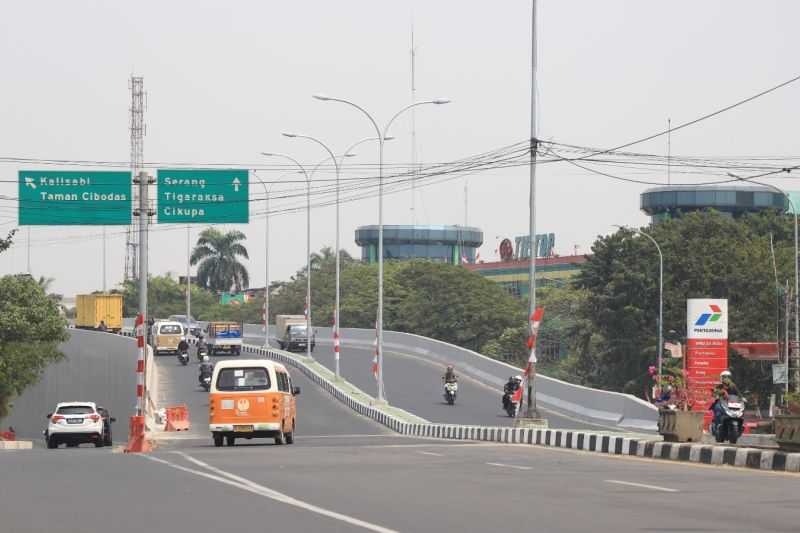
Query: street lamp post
(660, 297)
(336, 306)
(266, 260)
(381, 134)
(796, 272)
(308, 247)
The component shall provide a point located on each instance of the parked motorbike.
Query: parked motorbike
(450, 390)
(511, 407)
(730, 425)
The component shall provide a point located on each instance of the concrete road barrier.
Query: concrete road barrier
(16, 445)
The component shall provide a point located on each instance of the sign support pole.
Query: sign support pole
(144, 219)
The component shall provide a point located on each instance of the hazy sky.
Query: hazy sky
(224, 79)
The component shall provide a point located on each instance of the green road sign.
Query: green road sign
(203, 196)
(74, 198)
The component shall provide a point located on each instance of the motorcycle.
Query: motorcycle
(183, 357)
(201, 349)
(205, 382)
(510, 405)
(450, 390)
(731, 420)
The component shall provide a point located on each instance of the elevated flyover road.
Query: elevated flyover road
(414, 383)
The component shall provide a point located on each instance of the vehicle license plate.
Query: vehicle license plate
(242, 429)
(74, 420)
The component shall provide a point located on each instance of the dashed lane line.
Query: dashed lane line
(641, 485)
(514, 467)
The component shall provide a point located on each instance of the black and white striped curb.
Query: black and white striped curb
(569, 439)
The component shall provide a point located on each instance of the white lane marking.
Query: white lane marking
(344, 436)
(515, 467)
(466, 445)
(640, 485)
(249, 486)
(432, 453)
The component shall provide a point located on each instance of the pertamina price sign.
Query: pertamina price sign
(203, 196)
(74, 198)
(707, 347)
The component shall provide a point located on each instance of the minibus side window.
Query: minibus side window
(283, 382)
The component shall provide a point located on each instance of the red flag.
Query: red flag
(535, 322)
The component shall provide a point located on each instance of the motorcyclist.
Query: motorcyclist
(721, 391)
(206, 368)
(450, 375)
(511, 386)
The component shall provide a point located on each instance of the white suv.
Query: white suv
(73, 423)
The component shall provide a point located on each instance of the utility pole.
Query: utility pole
(188, 272)
(144, 181)
(104, 259)
(29, 249)
(532, 411)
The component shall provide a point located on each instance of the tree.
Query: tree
(218, 255)
(706, 255)
(5, 244)
(31, 329)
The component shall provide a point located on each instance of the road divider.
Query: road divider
(406, 423)
(177, 418)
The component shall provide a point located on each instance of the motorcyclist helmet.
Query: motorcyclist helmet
(517, 378)
(725, 374)
(205, 359)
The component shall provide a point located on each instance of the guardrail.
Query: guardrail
(591, 405)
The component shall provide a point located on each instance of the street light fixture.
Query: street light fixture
(381, 137)
(336, 164)
(660, 296)
(308, 246)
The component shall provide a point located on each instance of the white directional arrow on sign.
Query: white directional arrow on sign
(30, 183)
(236, 184)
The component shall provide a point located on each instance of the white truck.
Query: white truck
(292, 333)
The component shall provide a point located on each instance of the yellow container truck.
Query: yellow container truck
(101, 312)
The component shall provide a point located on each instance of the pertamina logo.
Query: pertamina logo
(713, 316)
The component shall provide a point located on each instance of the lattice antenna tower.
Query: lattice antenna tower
(138, 129)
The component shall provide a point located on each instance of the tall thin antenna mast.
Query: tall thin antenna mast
(669, 151)
(137, 132)
(413, 129)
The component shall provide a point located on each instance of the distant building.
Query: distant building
(513, 275)
(446, 244)
(663, 203)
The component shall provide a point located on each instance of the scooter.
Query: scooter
(201, 349)
(183, 357)
(510, 405)
(731, 421)
(450, 389)
(205, 382)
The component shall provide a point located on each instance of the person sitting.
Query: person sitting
(102, 326)
(664, 397)
(450, 375)
(206, 368)
(511, 386)
(721, 391)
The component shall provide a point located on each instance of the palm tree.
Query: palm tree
(218, 254)
(327, 257)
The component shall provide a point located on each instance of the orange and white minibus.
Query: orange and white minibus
(251, 398)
